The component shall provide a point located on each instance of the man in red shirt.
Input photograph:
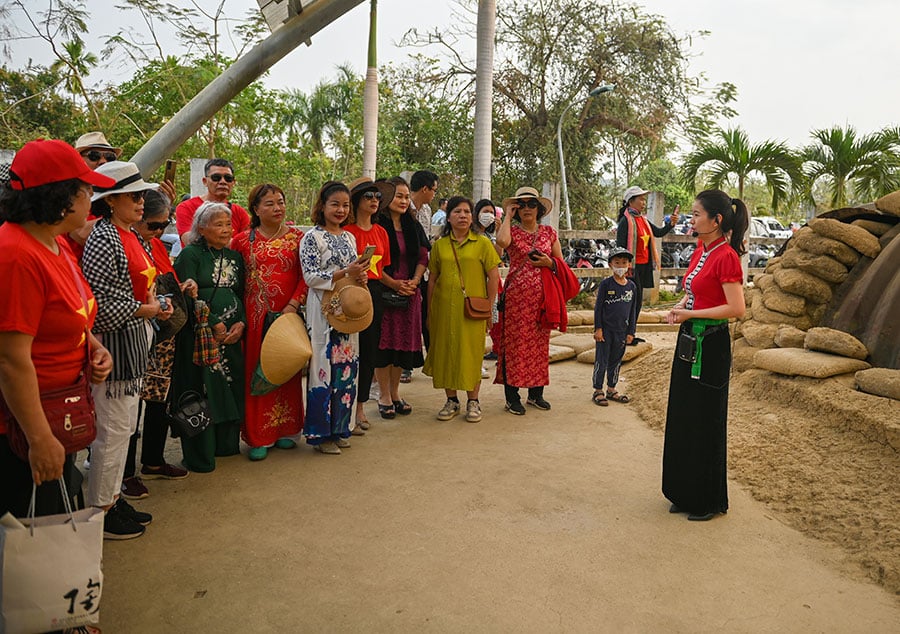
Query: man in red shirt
(219, 181)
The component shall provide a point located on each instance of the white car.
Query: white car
(774, 228)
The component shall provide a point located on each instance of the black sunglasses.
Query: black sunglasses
(217, 177)
(372, 195)
(531, 203)
(158, 226)
(94, 155)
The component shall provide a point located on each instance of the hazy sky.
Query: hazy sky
(798, 64)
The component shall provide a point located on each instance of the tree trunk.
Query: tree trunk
(370, 102)
(484, 97)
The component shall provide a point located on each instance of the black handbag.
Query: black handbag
(190, 414)
(393, 299)
(166, 284)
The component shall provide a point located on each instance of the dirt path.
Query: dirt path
(548, 522)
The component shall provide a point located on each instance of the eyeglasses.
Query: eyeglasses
(372, 195)
(217, 177)
(158, 226)
(94, 156)
(531, 203)
(136, 196)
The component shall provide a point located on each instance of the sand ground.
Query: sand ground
(549, 522)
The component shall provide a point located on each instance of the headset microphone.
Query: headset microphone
(697, 234)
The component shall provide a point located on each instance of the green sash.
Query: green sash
(698, 329)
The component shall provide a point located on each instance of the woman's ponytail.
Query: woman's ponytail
(733, 213)
(739, 226)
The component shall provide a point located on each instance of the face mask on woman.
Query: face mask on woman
(486, 219)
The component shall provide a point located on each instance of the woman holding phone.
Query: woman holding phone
(524, 357)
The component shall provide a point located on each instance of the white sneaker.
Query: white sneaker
(473, 412)
(449, 410)
(484, 373)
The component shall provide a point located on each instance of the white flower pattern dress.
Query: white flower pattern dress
(331, 388)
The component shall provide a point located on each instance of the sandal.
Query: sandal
(599, 399)
(402, 407)
(363, 423)
(615, 396)
(387, 411)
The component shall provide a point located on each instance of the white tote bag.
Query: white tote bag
(51, 570)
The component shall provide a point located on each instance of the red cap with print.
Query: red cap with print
(50, 161)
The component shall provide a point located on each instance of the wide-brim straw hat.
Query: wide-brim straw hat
(95, 140)
(529, 192)
(285, 350)
(127, 176)
(348, 308)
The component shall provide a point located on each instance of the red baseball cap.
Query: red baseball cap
(51, 161)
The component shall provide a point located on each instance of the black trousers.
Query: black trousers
(16, 485)
(368, 343)
(153, 439)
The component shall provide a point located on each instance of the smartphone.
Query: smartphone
(170, 171)
(534, 254)
(368, 253)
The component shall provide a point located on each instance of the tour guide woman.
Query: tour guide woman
(46, 308)
(694, 454)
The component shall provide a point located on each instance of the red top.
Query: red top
(76, 247)
(161, 257)
(710, 267)
(184, 216)
(140, 267)
(379, 237)
(40, 298)
(642, 251)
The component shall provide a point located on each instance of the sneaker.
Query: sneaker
(286, 443)
(328, 448)
(473, 412)
(449, 410)
(342, 443)
(484, 373)
(132, 513)
(134, 489)
(257, 453)
(515, 408)
(117, 525)
(167, 471)
(539, 402)
(490, 356)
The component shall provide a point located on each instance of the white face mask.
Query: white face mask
(486, 219)
(620, 272)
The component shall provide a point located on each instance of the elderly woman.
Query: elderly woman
(274, 284)
(219, 273)
(328, 257)
(157, 211)
(400, 347)
(637, 234)
(366, 199)
(523, 357)
(459, 259)
(46, 312)
(122, 275)
(694, 455)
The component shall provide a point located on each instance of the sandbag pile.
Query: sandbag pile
(796, 287)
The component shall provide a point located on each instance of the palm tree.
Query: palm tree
(370, 100)
(861, 167)
(75, 64)
(729, 153)
(484, 97)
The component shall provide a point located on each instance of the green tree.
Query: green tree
(662, 175)
(854, 167)
(729, 154)
(33, 108)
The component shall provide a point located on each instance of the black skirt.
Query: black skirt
(694, 455)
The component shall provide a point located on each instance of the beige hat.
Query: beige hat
(348, 308)
(529, 192)
(96, 140)
(285, 349)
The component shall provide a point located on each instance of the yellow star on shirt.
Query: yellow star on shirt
(84, 313)
(646, 239)
(150, 274)
(373, 262)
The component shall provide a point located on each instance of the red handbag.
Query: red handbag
(70, 413)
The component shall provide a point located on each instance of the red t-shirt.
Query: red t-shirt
(161, 258)
(76, 247)
(703, 282)
(140, 267)
(377, 236)
(642, 241)
(184, 216)
(40, 298)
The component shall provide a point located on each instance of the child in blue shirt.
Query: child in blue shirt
(615, 320)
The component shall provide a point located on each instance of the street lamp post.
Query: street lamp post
(599, 90)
